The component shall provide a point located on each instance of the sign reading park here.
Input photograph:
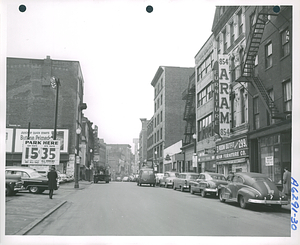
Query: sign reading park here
(41, 152)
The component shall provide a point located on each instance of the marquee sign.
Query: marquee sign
(224, 90)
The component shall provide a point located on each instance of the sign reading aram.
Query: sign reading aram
(224, 109)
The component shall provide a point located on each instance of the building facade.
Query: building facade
(167, 124)
(143, 142)
(31, 107)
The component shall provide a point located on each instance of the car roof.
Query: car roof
(18, 168)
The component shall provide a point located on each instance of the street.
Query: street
(125, 209)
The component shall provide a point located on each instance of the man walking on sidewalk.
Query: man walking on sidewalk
(52, 181)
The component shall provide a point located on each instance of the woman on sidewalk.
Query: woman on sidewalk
(52, 181)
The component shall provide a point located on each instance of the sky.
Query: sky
(119, 46)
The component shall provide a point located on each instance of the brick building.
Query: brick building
(31, 101)
(168, 125)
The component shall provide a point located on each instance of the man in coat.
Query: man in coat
(52, 181)
(286, 182)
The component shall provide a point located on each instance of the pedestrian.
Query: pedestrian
(52, 181)
(286, 182)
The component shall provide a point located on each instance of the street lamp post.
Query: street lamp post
(195, 162)
(77, 159)
(55, 83)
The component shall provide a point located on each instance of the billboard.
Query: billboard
(41, 134)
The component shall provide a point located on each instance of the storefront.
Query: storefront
(232, 155)
(270, 153)
(206, 161)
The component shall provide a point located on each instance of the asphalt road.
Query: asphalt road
(125, 209)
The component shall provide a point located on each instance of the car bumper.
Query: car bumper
(278, 202)
(214, 190)
(19, 188)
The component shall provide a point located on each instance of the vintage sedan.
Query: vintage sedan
(208, 183)
(252, 188)
(168, 179)
(13, 184)
(32, 180)
(183, 181)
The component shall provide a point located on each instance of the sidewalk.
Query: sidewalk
(26, 210)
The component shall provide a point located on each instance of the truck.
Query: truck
(102, 174)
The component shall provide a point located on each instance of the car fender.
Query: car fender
(248, 193)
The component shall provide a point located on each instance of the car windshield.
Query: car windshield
(194, 176)
(147, 172)
(34, 174)
(218, 177)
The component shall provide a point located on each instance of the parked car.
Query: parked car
(208, 183)
(125, 179)
(146, 176)
(32, 180)
(13, 184)
(158, 178)
(61, 177)
(118, 179)
(168, 178)
(246, 188)
(183, 181)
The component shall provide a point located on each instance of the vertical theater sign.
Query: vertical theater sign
(223, 96)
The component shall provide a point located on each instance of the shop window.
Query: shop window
(287, 96)
(268, 54)
(285, 40)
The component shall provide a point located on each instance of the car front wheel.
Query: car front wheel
(203, 193)
(33, 189)
(242, 202)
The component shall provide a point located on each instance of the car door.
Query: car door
(235, 185)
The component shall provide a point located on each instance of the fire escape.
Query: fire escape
(190, 110)
(251, 50)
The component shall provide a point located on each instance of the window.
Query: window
(205, 95)
(205, 127)
(218, 45)
(243, 107)
(158, 103)
(285, 38)
(158, 135)
(161, 81)
(240, 23)
(252, 21)
(205, 67)
(287, 95)
(231, 33)
(161, 99)
(269, 117)
(157, 118)
(268, 52)
(232, 64)
(198, 73)
(256, 113)
(233, 110)
(224, 40)
(161, 118)
(161, 133)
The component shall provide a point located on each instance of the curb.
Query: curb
(29, 227)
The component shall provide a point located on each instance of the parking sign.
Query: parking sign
(41, 152)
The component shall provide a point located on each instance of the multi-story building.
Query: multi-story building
(268, 72)
(87, 148)
(205, 106)
(167, 124)
(232, 122)
(143, 142)
(189, 142)
(135, 165)
(31, 107)
(119, 159)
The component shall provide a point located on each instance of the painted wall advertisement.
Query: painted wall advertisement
(224, 90)
(41, 135)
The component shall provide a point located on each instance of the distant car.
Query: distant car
(208, 183)
(255, 188)
(32, 180)
(118, 179)
(13, 184)
(168, 178)
(125, 179)
(183, 181)
(146, 176)
(61, 177)
(158, 178)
